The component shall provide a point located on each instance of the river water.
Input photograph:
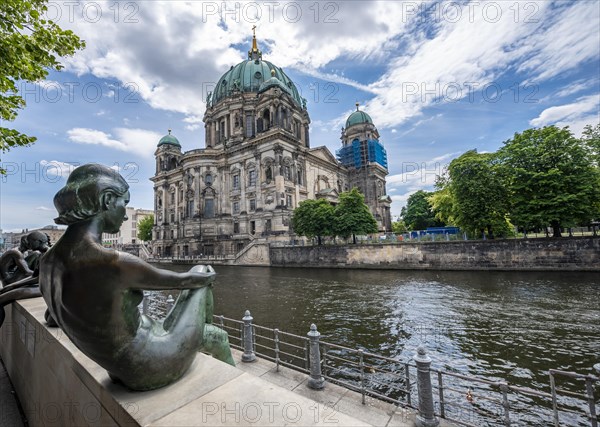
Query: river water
(510, 326)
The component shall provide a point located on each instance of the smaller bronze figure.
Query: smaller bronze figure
(19, 273)
(17, 264)
(93, 293)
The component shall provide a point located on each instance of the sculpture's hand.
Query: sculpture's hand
(138, 274)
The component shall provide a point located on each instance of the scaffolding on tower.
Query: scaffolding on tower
(360, 153)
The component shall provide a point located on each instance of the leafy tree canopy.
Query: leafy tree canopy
(144, 227)
(352, 216)
(591, 140)
(29, 47)
(313, 218)
(399, 227)
(478, 192)
(417, 214)
(551, 178)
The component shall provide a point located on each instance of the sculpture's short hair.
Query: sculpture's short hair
(80, 198)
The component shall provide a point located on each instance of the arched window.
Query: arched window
(209, 208)
(251, 178)
(208, 179)
(269, 173)
(266, 116)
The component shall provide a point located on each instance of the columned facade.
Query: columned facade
(256, 167)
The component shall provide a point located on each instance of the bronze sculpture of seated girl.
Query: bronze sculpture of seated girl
(93, 293)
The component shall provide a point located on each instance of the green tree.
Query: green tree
(399, 227)
(29, 47)
(591, 140)
(417, 214)
(313, 218)
(442, 200)
(352, 216)
(144, 227)
(479, 196)
(551, 178)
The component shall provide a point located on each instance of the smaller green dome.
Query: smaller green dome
(169, 139)
(358, 117)
(272, 82)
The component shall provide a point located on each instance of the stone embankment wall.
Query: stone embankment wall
(562, 254)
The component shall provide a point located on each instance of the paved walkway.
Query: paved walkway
(337, 399)
(10, 415)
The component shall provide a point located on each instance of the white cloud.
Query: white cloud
(43, 208)
(416, 176)
(193, 127)
(57, 168)
(173, 53)
(576, 87)
(137, 141)
(584, 111)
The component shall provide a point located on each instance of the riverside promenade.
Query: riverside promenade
(59, 386)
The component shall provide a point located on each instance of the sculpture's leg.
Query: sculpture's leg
(216, 343)
(194, 306)
(49, 319)
(28, 281)
(15, 294)
(189, 310)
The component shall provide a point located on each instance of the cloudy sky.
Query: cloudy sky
(438, 78)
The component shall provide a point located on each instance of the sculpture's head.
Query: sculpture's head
(24, 244)
(38, 241)
(93, 190)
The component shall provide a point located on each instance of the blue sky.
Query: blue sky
(438, 78)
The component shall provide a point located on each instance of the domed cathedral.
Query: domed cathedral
(256, 167)
(365, 159)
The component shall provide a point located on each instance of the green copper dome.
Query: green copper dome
(357, 118)
(248, 76)
(169, 139)
(251, 75)
(273, 82)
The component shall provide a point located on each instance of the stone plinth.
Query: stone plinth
(59, 386)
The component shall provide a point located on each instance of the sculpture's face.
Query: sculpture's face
(116, 214)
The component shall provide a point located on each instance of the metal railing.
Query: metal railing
(570, 398)
(462, 399)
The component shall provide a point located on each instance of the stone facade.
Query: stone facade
(256, 167)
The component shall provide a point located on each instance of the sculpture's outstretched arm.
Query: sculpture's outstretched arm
(138, 274)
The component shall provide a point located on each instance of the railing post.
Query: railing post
(408, 385)
(276, 340)
(316, 380)
(248, 355)
(554, 401)
(145, 304)
(361, 366)
(441, 395)
(589, 388)
(170, 302)
(505, 404)
(426, 416)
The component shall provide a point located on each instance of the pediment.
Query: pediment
(324, 153)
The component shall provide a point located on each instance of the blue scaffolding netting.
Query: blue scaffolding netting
(359, 153)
